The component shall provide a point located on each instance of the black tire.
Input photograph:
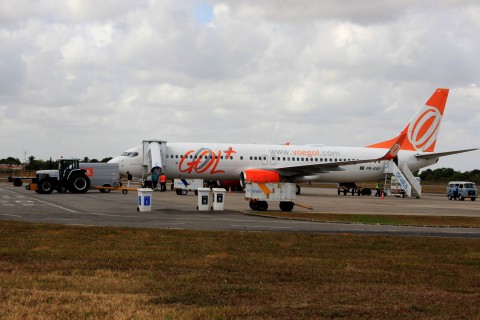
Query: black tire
(473, 198)
(105, 190)
(78, 184)
(183, 192)
(253, 205)
(262, 205)
(17, 182)
(178, 192)
(297, 190)
(45, 186)
(61, 188)
(286, 206)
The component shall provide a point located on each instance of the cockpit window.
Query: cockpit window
(130, 154)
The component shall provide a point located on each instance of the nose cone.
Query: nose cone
(114, 160)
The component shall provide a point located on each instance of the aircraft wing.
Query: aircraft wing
(320, 167)
(337, 166)
(442, 154)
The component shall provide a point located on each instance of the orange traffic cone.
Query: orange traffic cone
(383, 195)
(229, 189)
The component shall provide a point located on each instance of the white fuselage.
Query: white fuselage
(226, 161)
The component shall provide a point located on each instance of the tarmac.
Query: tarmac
(172, 211)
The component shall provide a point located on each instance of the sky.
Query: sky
(89, 78)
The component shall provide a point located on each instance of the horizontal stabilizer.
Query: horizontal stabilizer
(442, 154)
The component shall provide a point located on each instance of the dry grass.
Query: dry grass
(59, 272)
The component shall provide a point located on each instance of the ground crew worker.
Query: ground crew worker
(378, 187)
(129, 179)
(163, 182)
(155, 179)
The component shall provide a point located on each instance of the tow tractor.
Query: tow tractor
(69, 177)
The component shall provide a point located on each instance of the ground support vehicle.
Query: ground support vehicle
(69, 176)
(260, 194)
(107, 189)
(351, 188)
(182, 186)
(396, 188)
(461, 190)
(104, 175)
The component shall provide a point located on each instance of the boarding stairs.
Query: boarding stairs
(405, 177)
(154, 152)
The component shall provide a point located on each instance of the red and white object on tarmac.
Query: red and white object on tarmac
(259, 194)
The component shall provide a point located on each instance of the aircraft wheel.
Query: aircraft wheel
(286, 206)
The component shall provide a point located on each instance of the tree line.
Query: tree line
(35, 164)
(449, 174)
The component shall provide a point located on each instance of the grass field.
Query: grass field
(68, 272)
(430, 221)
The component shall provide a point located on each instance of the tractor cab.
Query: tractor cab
(65, 166)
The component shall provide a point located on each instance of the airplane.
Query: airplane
(414, 147)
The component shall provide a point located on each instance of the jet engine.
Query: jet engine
(259, 176)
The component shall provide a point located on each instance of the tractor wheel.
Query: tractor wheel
(45, 186)
(286, 206)
(79, 184)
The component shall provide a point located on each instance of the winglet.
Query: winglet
(395, 148)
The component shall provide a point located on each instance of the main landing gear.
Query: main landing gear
(351, 188)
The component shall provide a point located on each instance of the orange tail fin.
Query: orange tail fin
(422, 130)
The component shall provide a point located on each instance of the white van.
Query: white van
(461, 190)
